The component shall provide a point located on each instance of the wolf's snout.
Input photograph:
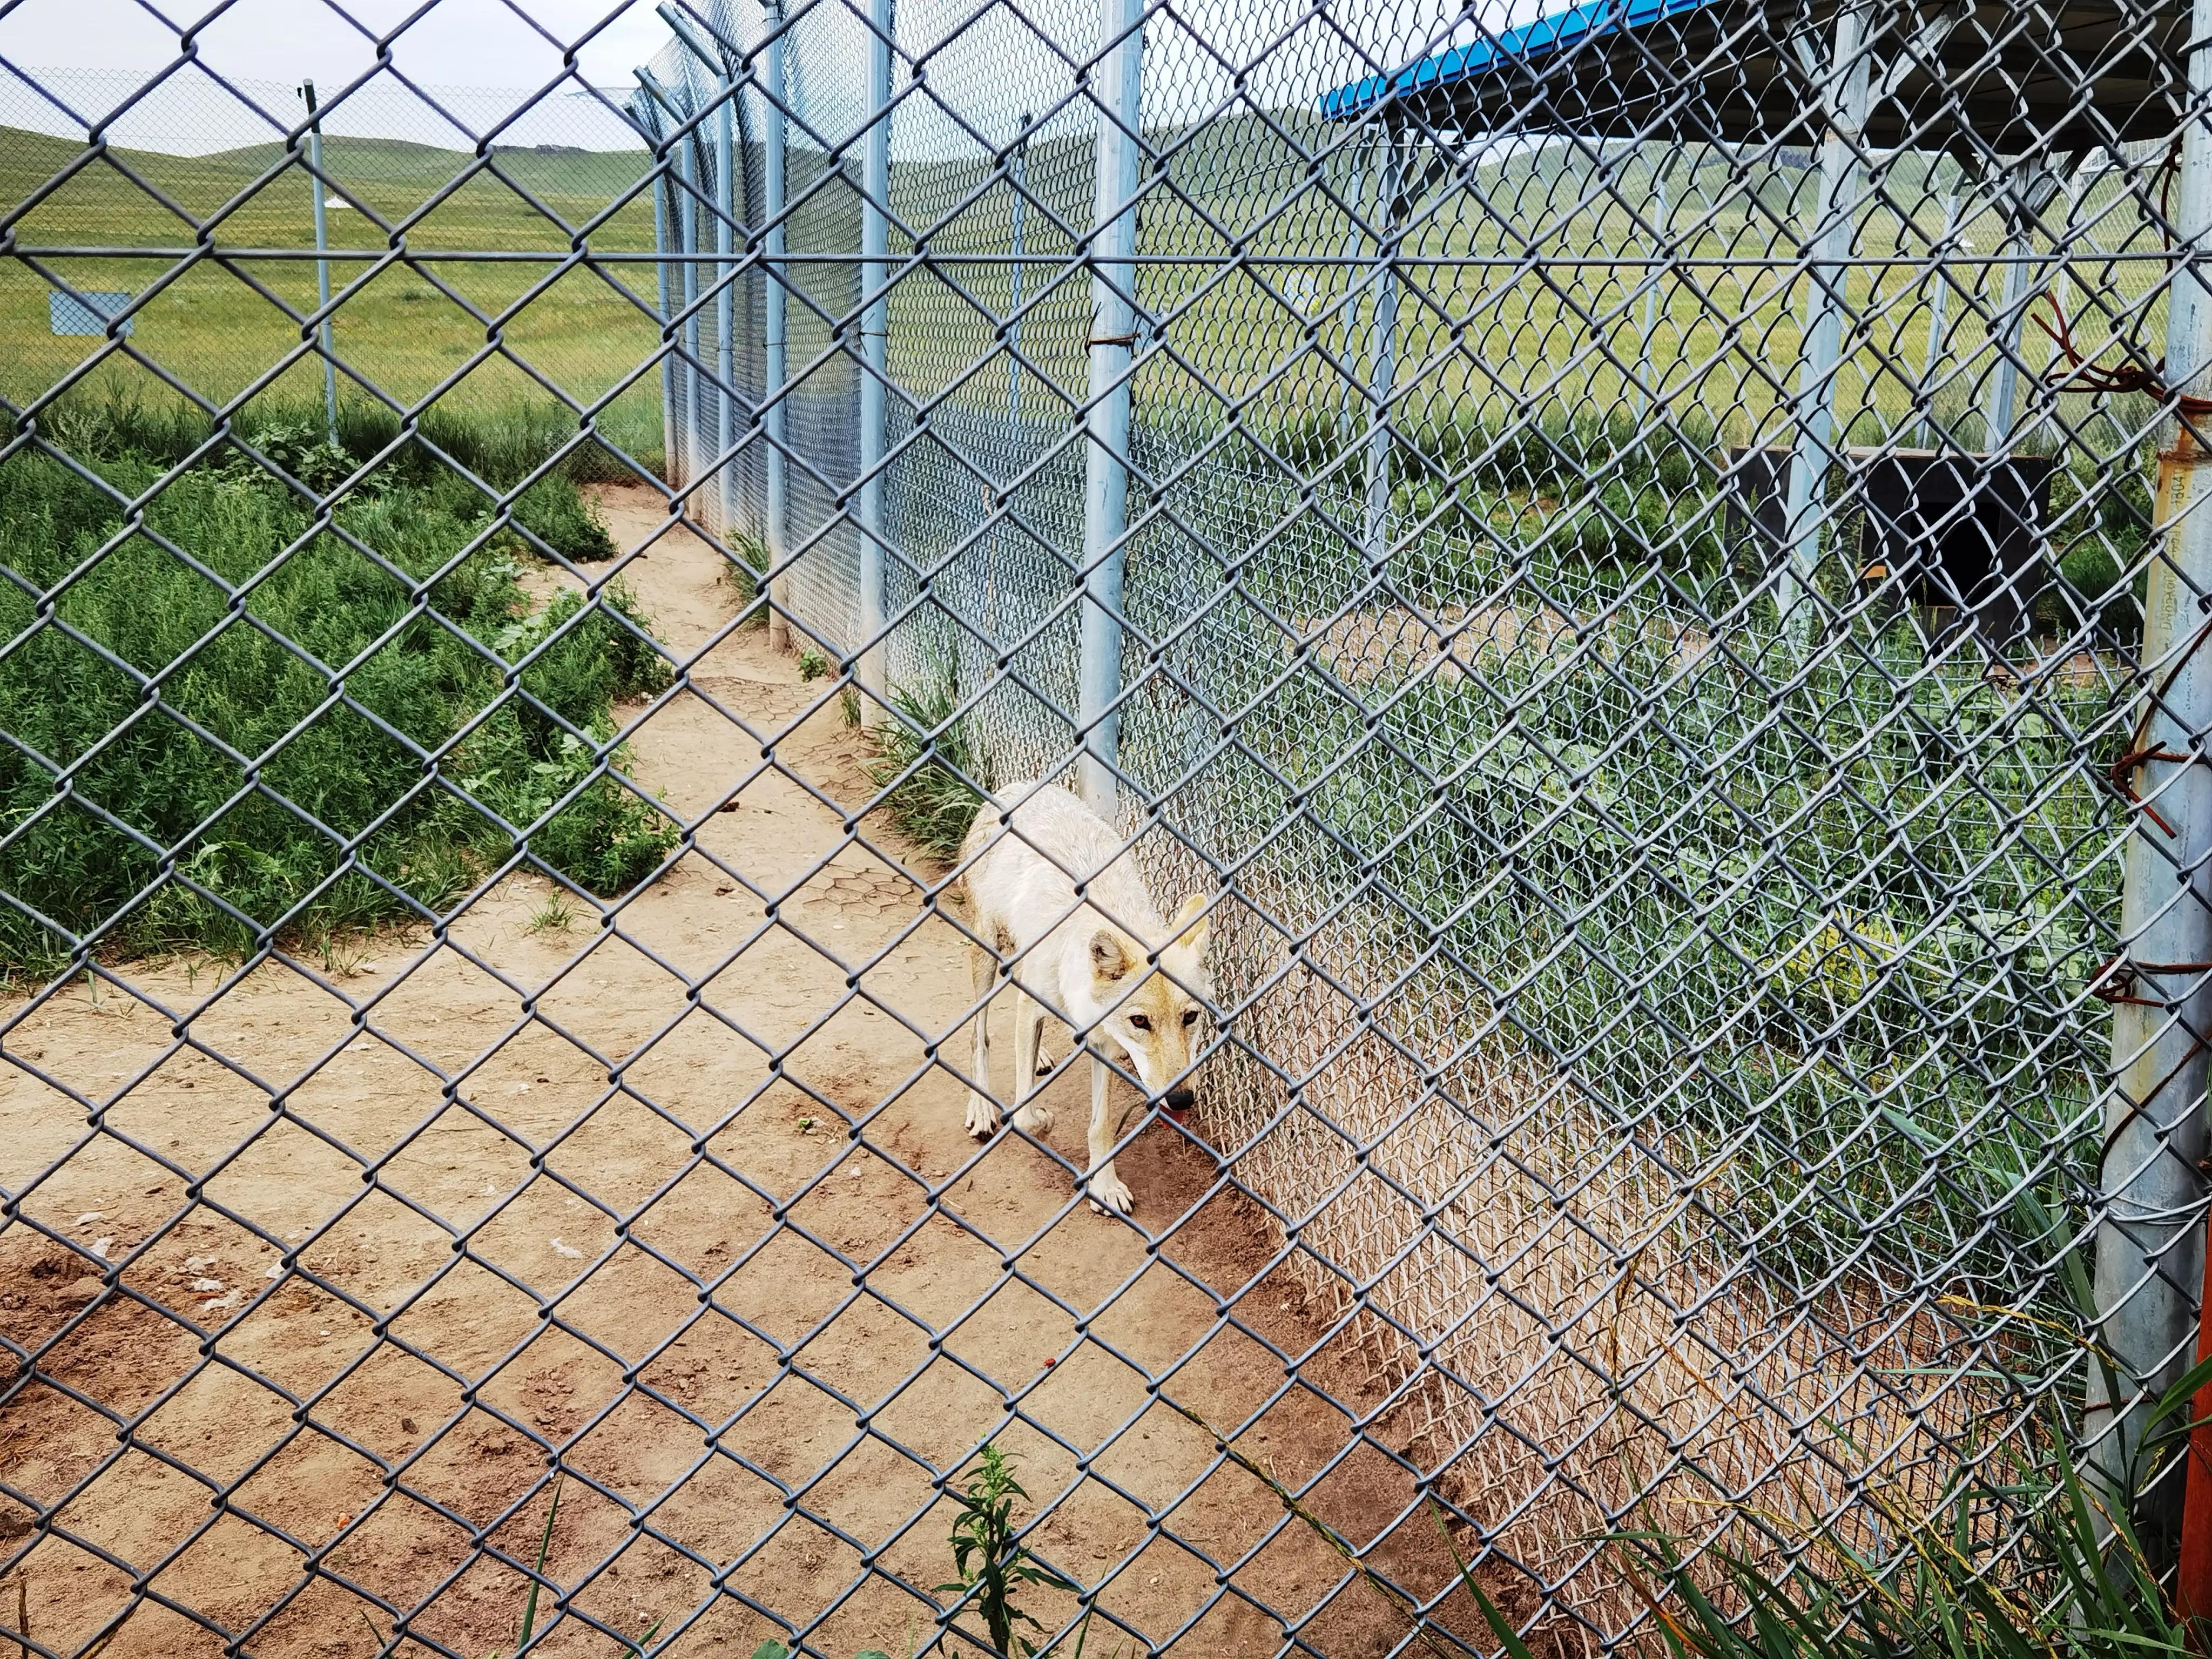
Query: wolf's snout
(1181, 1100)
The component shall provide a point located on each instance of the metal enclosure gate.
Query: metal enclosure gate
(1641, 565)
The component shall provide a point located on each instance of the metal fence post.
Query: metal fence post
(2019, 223)
(1112, 348)
(875, 270)
(1018, 175)
(682, 395)
(1383, 348)
(1821, 353)
(726, 309)
(1651, 294)
(2150, 1238)
(322, 260)
(726, 214)
(1933, 357)
(687, 170)
(646, 110)
(773, 369)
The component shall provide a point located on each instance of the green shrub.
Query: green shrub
(503, 446)
(330, 694)
(924, 760)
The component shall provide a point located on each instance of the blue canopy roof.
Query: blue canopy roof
(1514, 46)
(1966, 74)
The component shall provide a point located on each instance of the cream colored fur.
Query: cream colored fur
(1088, 961)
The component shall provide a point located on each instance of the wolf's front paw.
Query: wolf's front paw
(982, 1117)
(1110, 1195)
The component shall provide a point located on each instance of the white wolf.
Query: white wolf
(1105, 962)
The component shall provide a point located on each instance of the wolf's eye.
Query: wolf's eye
(1190, 1016)
(1140, 1023)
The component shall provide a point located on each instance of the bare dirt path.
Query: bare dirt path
(674, 1198)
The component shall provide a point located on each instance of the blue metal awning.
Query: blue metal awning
(1963, 73)
(1514, 46)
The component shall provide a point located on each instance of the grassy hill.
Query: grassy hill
(217, 324)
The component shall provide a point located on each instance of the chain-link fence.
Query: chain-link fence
(474, 181)
(1638, 566)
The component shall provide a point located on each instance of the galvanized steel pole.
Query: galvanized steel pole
(2004, 380)
(1019, 174)
(683, 396)
(777, 531)
(875, 272)
(322, 260)
(725, 310)
(645, 107)
(688, 171)
(1933, 357)
(2150, 1239)
(992, 545)
(1382, 349)
(1119, 77)
(1821, 353)
(1651, 292)
(726, 216)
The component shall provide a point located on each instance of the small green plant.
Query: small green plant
(537, 1579)
(626, 1648)
(741, 567)
(989, 1559)
(555, 915)
(925, 759)
(812, 665)
(777, 1651)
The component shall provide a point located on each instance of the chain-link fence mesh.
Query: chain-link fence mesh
(1637, 565)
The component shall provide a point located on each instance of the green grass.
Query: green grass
(209, 327)
(924, 757)
(1815, 938)
(348, 711)
(2033, 1546)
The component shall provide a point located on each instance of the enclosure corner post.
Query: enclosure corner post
(1112, 348)
(2150, 1232)
(875, 270)
(322, 260)
(777, 530)
(1820, 355)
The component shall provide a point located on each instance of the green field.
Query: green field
(1522, 292)
(217, 324)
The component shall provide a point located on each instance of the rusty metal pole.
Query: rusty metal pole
(2150, 1237)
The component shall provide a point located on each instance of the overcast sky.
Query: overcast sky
(461, 42)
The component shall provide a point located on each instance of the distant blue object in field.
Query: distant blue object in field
(85, 314)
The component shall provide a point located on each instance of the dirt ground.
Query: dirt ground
(337, 1272)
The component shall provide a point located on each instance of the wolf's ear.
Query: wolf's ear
(1191, 924)
(1108, 959)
